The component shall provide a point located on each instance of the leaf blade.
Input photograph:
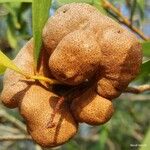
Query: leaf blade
(40, 13)
(146, 48)
(145, 144)
(5, 62)
(145, 70)
(10, 1)
(2, 69)
(141, 7)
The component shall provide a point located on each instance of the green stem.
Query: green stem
(42, 78)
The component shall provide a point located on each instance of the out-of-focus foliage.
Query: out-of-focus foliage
(136, 7)
(8, 1)
(145, 71)
(15, 25)
(129, 127)
(146, 140)
(146, 48)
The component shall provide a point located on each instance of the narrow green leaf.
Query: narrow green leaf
(146, 66)
(145, 70)
(99, 6)
(133, 8)
(141, 3)
(10, 1)
(141, 7)
(12, 39)
(146, 143)
(5, 62)
(103, 137)
(13, 14)
(2, 69)
(146, 48)
(40, 13)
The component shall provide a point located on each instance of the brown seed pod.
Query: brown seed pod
(121, 60)
(75, 25)
(36, 108)
(15, 84)
(76, 52)
(67, 19)
(92, 108)
(36, 103)
(79, 44)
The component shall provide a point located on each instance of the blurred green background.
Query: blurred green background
(128, 129)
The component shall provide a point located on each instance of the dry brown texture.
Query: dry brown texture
(79, 44)
(119, 57)
(35, 102)
(15, 84)
(36, 107)
(67, 19)
(121, 61)
(92, 108)
(75, 49)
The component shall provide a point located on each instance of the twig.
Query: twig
(135, 97)
(138, 89)
(15, 137)
(42, 78)
(13, 120)
(110, 144)
(4, 128)
(138, 136)
(38, 147)
(107, 5)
